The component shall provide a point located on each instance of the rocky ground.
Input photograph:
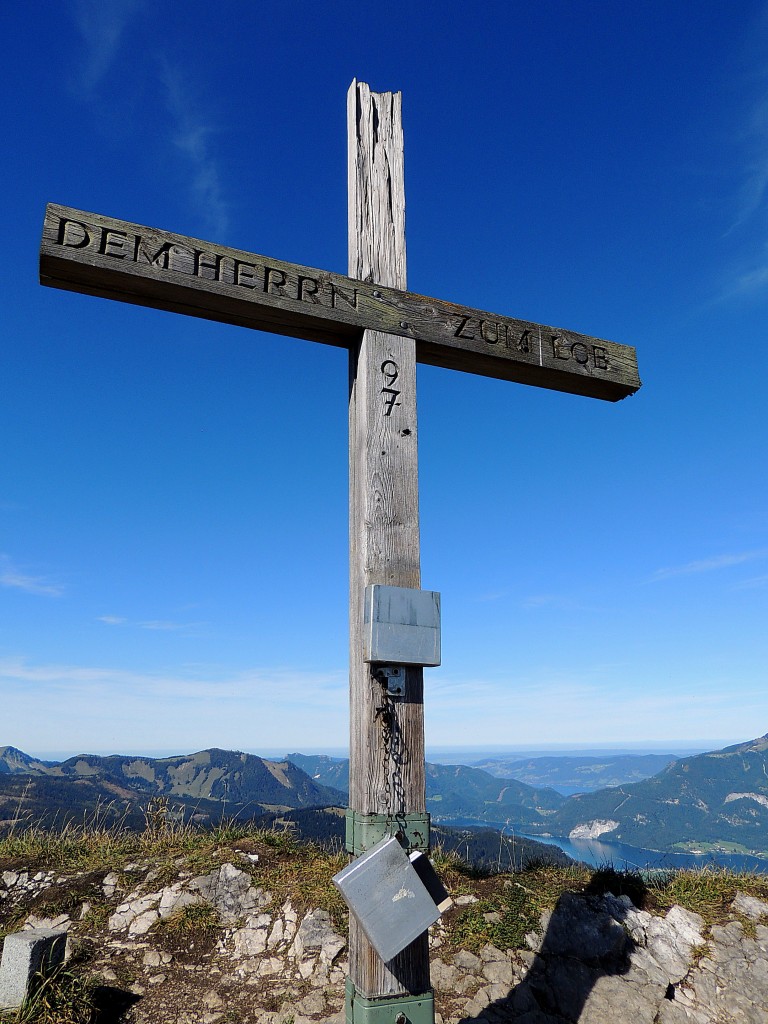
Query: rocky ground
(255, 935)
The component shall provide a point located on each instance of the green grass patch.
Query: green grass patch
(708, 891)
(195, 918)
(90, 847)
(304, 877)
(510, 906)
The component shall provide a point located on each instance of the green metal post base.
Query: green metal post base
(365, 830)
(397, 1010)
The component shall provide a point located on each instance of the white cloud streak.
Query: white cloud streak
(14, 579)
(192, 137)
(285, 685)
(752, 202)
(574, 710)
(102, 25)
(755, 583)
(154, 625)
(708, 565)
(100, 707)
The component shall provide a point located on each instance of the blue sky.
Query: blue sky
(173, 493)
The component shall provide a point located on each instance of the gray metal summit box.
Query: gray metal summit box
(402, 626)
(394, 897)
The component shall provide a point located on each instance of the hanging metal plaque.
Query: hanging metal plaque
(388, 897)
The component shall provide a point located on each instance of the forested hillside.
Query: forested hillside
(717, 800)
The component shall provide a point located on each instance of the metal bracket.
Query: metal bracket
(399, 1010)
(393, 677)
(365, 830)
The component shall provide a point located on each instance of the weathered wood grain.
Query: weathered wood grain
(383, 510)
(115, 259)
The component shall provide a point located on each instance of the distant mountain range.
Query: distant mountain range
(581, 774)
(716, 801)
(712, 801)
(210, 783)
(454, 792)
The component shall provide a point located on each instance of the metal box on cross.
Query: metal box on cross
(401, 626)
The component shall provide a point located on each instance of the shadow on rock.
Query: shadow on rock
(111, 1004)
(583, 958)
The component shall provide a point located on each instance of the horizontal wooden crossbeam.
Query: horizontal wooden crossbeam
(86, 252)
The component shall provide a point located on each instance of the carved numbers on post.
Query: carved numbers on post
(391, 372)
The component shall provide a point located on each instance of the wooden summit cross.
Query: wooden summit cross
(387, 331)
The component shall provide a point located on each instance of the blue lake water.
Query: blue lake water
(597, 854)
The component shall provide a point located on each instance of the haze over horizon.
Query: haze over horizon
(173, 492)
(439, 755)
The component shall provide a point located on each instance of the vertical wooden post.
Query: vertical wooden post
(384, 509)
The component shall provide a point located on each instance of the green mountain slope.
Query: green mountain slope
(717, 800)
(455, 792)
(209, 774)
(51, 803)
(328, 771)
(207, 784)
(15, 762)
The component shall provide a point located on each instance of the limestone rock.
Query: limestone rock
(231, 892)
(109, 884)
(750, 906)
(174, 898)
(468, 961)
(601, 960)
(671, 939)
(499, 972)
(251, 939)
(316, 936)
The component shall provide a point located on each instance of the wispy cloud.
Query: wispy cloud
(285, 685)
(532, 600)
(539, 601)
(102, 25)
(13, 578)
(492, 595)
(708, 565)
(184, 709)
(587, 706)
(747, 282)
(558, 601)
(756, 583)
(192, 135)
(194, 708)
(755, 186)
(749, 149)
(157, 625)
